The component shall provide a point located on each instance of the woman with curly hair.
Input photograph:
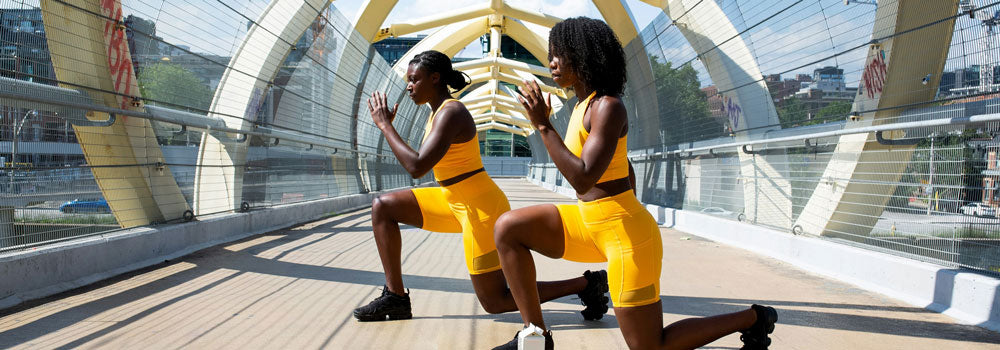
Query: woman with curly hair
(467, 202)
(608, 223)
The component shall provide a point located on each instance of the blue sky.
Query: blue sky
(408, 9)
(208, 26)
(806, 31)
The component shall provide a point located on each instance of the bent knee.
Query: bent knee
(491, 308)
(382, 207)
(492, 305)
(505, 226)
(378, 205)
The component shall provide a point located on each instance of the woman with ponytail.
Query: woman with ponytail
(467, 201)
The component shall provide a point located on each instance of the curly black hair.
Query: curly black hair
(435, 61)
(593, 51)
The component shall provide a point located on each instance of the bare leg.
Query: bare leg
(491, 288)
(388, 210)
(517, 233)
(641, 327)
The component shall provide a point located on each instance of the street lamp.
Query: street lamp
(18, 125)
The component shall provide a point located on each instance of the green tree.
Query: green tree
(173, 85)
(176, 87)
(792, 113)
(957, 173)
(832, 111)
(682, 104)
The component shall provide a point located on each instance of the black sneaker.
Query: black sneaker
(390, 305)
(594, 296)
(512, 345)
(755, 337)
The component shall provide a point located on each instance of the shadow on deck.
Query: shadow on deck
(296, 288)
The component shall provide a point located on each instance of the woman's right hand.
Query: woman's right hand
(537, 105)
(378, 107)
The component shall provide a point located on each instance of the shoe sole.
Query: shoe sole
(772, 318)
(384, 317)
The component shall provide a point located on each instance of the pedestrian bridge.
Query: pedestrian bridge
(836, 159)
(295, 288)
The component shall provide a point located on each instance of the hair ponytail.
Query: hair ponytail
(458, 81)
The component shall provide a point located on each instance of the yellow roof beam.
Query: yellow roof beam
(493, 104)
(493, 8)
(536, 43)
(430, 22)
(616, 13)
(513, 79)
(503, 63)
(501, 127)
(449, 40)
(530, 15)
(371, 17)
(478, 99)
(503, 118)
(660, 4)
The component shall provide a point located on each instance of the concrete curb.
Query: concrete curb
(968, 297)
(83, 261)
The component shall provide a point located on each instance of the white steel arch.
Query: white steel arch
(219, 176)
(495, 17)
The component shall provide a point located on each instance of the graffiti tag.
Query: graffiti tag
(119, 59)
(732, 111)
(874, 75)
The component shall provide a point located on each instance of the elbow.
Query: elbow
(581, 185)
(417, 172)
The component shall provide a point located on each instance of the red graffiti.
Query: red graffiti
(119, 59)
(874, 75)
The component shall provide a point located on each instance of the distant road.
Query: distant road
(47, 213)
(936, 224)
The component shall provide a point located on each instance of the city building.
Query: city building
(509, 48)
(24, 54)
(392, 49)
(503, 144)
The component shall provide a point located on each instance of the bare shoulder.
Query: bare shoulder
(455, 114)
(454, 109)
(610, 108)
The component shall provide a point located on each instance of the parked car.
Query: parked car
(717, 211)
(977, 209)
(85, 206)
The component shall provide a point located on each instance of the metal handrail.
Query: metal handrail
(28, 94)
(970, 120)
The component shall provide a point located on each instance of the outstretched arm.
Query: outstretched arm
(433, 148)
(606, 120)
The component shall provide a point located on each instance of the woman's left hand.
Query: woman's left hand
(537, 105)
(378, 107)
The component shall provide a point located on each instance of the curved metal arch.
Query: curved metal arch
(531, 40)
(369, 20)
(487, 62)
(617, 15)
(501, 127)
(449, 40)
(218, 179)
(461, 27)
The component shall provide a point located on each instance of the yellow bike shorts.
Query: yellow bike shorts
(619, 230)
(469, 207)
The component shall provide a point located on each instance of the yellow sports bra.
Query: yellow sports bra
(460, 158)
(576, 135)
